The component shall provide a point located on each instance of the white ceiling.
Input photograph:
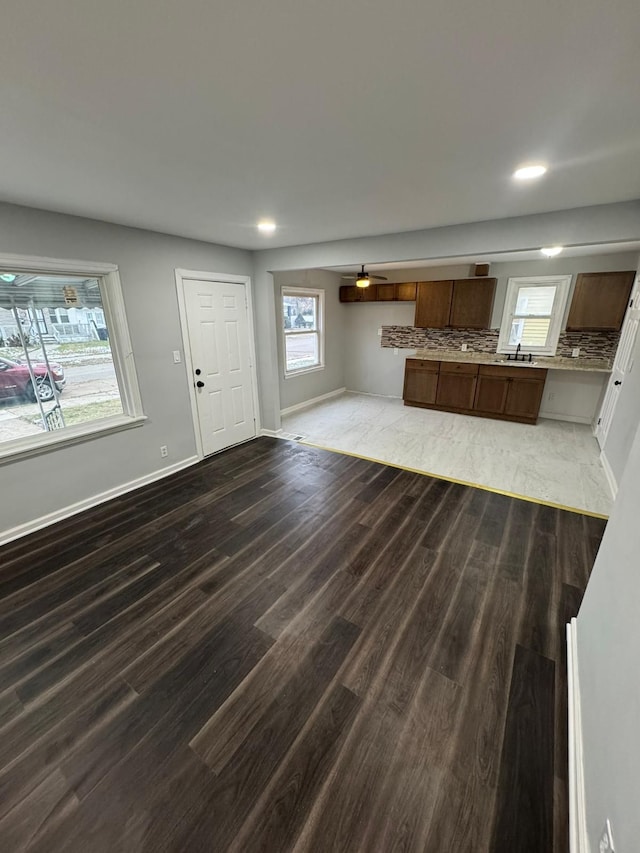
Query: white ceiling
(338, 118)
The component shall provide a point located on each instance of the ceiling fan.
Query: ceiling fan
(363, 279)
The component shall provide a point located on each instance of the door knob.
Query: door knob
(199, 384)
(617, 382)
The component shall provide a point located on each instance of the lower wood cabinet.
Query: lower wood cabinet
(491, 394)
(508, 393)
(420, 382)
(457, 385)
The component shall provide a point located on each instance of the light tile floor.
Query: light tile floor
(553, 461)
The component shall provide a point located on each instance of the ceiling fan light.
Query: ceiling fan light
(362, 280)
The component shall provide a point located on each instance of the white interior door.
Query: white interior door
(218, 329)
(622, 365)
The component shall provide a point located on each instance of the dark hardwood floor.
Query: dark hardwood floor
(283, 648)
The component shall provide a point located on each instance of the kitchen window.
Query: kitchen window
(66, 364)
(303, 331)
(533, 312)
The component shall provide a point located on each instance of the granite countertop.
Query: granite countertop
(590, 365)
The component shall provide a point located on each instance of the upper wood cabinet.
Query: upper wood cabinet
(472, 303)
(384, 291)
(600, 300)
(433, 304)
(456, 304)
(352, 293)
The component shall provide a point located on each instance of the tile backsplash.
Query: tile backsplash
(592, 344)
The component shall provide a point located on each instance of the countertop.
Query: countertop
(589, 365)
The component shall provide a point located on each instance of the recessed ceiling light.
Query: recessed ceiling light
(551, 251)
(528, 173)
(266, 226)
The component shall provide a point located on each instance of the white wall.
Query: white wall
(608, 655)
(45, 483)
(298, 389)
(573, 396)
(369, 367)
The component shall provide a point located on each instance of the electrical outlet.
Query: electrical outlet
(395, 351)
(176, 356)
(575, 352)
(464, 347)
(164, 451)
(380, 332)
(606, 839)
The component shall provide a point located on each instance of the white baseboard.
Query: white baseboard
(95, 500)
(312, 401)
(578, 841)
(611, 479)
(572, 419)
(272, 433)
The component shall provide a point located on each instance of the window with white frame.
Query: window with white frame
(533, 312)
(303, 329)
(66, 363)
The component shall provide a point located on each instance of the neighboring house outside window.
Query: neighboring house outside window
(303, 329)
(533, 312)
(66, 363)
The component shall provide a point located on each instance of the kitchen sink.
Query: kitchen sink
(514, 363)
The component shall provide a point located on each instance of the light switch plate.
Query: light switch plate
(176, 356)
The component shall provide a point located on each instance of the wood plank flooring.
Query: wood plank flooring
(286, 649)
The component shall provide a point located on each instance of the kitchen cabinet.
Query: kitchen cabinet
(352, 293)
(486, 390)
(420, 381)
(491, 393)
(406, 291)
(600, 301)
(385, 292)
(402, 291)
(524, 397)
(455, 304)
(456, 385)
(472, 303)
(433, 304)
(513, 392)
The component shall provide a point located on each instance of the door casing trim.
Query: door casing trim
(181, 276)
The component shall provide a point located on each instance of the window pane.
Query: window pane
(535, 300)
(54, 342)
(529, 332)
(302, 351)
(300, 312)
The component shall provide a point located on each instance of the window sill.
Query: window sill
(22, 448)
(292, 374)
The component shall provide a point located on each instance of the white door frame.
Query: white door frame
(183, 275)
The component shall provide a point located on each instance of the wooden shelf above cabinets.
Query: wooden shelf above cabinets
(464, 303)
(600, 301)
(404, 291)
(488, 391)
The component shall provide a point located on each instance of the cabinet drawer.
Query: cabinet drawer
(458, 367)
(513, 372)
(422, 364)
